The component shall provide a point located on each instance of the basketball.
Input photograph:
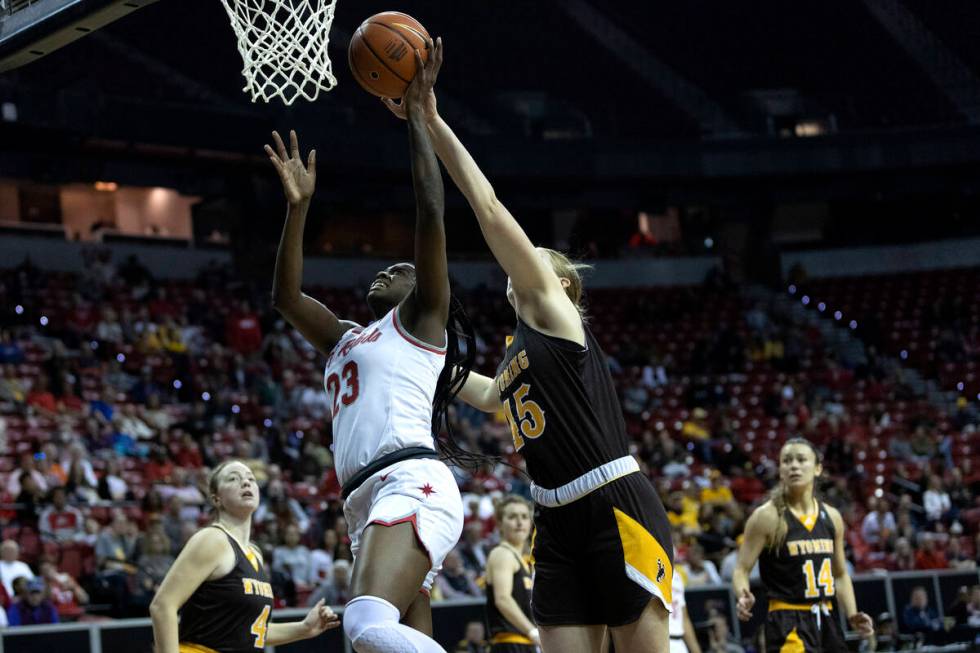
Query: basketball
(381, 53)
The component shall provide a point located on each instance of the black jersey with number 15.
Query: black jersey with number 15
(561, 404)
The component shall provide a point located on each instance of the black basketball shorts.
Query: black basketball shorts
(602, 558)
(796, 631)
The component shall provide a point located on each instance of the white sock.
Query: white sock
(372, 625)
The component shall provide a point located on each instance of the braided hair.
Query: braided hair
(459, 362)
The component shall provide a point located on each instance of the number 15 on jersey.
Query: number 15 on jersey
(525, 417)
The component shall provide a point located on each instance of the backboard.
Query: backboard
(30, 29)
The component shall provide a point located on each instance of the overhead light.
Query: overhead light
(106, 186)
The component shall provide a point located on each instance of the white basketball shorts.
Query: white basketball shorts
(421, 491)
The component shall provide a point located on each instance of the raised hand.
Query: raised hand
(744, 605)
(420, 93)
(298, 179)
(862, 623)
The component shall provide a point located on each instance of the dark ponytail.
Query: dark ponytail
(459, 362)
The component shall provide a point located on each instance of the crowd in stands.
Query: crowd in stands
(118, 392)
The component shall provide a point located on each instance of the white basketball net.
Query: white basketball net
(283, 44)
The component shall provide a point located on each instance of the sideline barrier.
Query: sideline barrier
(875, 593)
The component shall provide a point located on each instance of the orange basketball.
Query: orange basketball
(382, 53)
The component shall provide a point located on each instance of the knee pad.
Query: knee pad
(372, 625)
(364, 612)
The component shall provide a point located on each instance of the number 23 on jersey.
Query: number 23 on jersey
(343, 391)
(525, 417)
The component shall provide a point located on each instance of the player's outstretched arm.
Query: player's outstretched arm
(316, 322)
(758, 529)
(541, 298)
(319, 619)
(426, 310)
(859, 621)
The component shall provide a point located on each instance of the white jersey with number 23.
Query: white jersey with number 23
(380, 380)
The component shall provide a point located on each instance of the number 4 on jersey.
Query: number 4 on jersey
(259, 628)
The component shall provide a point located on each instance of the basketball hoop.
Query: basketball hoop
(283, 44)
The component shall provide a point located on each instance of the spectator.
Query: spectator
(112, 486)
(242, 330)
(475, 640)
(173, 521)
(12, 389)
(60, 522)
(918, 617)
(700, 572)
(718, 492)
(936, 500)
(66, 594)
(473, 549)
(109, 331)
(128, 421)
(878, 524)
(11, 567)
(152, 565)
(335, 591)
(321, 559)
(456, 581)
(731, 558)
(293, 559)
(276, 505)
(720, 639)
(28, 466)
(78, 457)
(904, 556)
(116, 545)
(956, 557)
(114, 551)
(40, 397)
(79, 486)
(929, 556)
(34, 609)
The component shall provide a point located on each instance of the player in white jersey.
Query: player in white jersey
(683, 639)
(402, 504)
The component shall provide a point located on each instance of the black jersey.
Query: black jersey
(560, 399)
(801, 570)
(521, 591)
(230, 614)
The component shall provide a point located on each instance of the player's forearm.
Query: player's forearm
(740, 581)
(480, 393)
(845, 595)
(165, 633)
(289, 258)
(512, 612)
(293, 631)
(690, 636)
(466, 174)
(426, 177)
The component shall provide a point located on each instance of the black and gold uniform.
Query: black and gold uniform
(504, 636)
(229, 614)
(598, 559)
(799, 580)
